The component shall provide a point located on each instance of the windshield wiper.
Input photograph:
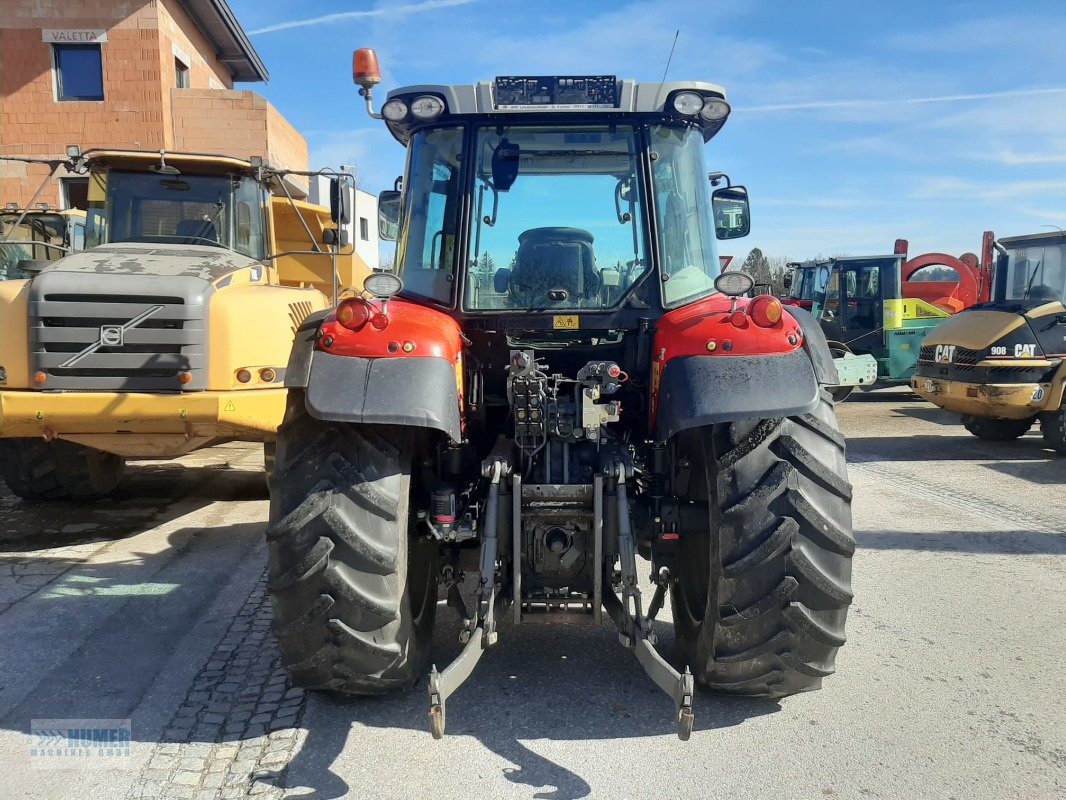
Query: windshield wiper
(1029, 285)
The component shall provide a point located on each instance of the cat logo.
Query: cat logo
(1025, 351)
(945, 353)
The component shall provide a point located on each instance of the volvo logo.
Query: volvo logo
(111, 335)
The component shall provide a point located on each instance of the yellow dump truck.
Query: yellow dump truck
(171, 331)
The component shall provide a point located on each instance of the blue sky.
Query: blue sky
(854, 123)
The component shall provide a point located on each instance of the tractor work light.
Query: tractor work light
(427, 107)
(365, 70)
(353, 313)
(765, 311)
(714, 109)
(733, 284)
(688, 103)
(395, 111)
(382, 285)
(73, 151)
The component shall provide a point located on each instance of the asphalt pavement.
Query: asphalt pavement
(150, 607)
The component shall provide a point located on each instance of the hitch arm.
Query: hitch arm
(480, 632)
(635, 630)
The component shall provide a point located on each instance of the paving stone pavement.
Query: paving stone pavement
(238, 726)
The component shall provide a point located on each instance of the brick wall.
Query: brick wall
(236, 123)
(141, 109)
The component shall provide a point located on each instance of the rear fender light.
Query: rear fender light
(354, 313)
(765, 311)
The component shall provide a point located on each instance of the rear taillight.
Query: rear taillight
(353, 313)
(765, 311)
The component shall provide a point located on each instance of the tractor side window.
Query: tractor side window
(688, 250)
(426, 247)
(831, 306)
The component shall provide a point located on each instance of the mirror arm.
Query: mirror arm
(368, 94)
(491, 220)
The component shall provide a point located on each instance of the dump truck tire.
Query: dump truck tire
(354, 591)
(1053, 428)
(997, 430)
(761, 596)
(36, 469)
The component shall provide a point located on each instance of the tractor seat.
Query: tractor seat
(196, 230)
(552, 261)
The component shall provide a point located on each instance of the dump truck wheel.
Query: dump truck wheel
(761, 595)
(35, 469)
(354, 591)
(1053, 428)
(997, 430)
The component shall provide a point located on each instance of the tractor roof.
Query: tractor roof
(597, 97)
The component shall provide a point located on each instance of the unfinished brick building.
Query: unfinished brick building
(143, 74)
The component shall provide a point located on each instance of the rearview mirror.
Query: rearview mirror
(732, 214)
(505, 159)
(340, 202)
(501, 280)
(786, 280)
(389, 215)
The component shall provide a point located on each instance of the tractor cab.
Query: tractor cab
(31, 238)
(1033, 270)
(533, 199)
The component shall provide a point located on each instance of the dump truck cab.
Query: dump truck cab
(551, 381)
(1000, 365)
(171, 330)
(30, 238)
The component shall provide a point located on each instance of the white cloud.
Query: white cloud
(384, 11)
(959, 190)
(951, 98)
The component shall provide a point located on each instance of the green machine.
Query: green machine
(874, 332)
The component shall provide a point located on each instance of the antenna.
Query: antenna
(671, 56)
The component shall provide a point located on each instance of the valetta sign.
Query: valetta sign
(69, 36)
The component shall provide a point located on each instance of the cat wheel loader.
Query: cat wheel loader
(171, 330)
(1001, 365)
(592, 392)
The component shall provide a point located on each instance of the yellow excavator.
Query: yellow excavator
(171, 330)
(1002, 365)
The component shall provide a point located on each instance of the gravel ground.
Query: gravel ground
(150, 607)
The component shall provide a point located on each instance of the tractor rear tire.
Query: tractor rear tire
(354, 591)
(761, 595)
(1053, 428)
(997, 430)
(37, 469)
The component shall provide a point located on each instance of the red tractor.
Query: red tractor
(555, 379)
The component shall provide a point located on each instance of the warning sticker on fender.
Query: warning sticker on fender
(565, 322)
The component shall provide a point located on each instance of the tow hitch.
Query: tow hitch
(634, 628)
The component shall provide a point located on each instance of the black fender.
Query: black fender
(815, 346)
(704, 390)
(419, 392)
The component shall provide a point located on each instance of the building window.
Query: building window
(79, 71)
(181, 74)
(364, 229)
(75, 193)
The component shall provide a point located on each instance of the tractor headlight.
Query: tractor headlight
(427, 107)
(733, 284)
(382, 285)
(714, 109)
(688, 103)
(394, 110)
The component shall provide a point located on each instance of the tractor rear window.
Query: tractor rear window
(558, 218)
